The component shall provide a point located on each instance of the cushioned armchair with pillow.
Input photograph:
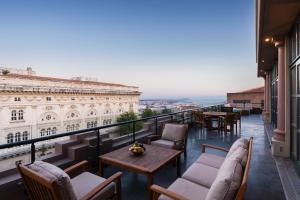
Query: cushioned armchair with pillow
(174, 136)
(46, 181)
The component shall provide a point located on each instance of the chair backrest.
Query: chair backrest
(243, 187)
(199, 116)
(174, 132)
(229, 118)
(37, 186)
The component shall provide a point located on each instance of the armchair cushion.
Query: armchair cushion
(201, 174)
(227, 181)
(53, 173)
(86, 182)
(163, 143)
(187, 189)
(241, 142)
(173, 132)
(211, 160)
(240, 155)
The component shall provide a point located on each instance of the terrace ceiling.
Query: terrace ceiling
(274, 19)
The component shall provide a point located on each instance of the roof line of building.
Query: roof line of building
(45, 78)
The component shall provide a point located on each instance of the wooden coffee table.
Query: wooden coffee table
(151, 161)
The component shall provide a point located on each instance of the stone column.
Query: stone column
(279, 133)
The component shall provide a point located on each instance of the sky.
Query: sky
(168, 48)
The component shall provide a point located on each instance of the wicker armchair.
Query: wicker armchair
(83, 186)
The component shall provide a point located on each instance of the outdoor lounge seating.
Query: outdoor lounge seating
(174, 136)
(212, 176)
(46, 181)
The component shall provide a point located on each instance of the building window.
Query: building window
(48, 117)
(68, 128)
(17, 98)
(88, 125)
(13, 115)
(48, 98)
(72, 98)
(20, 115)
(42, 132)
(92, 98)
(54, 129)
(18, 137)
(49, 131)
(25, 136)
(10, 138)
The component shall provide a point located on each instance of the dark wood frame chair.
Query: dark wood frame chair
(38, 187)
(158, 190)
(179, 144)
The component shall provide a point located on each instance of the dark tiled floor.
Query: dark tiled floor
(264, 181)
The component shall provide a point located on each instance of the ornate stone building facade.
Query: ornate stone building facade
(33, 106)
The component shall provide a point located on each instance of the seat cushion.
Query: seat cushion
(227, 181)
(163, 143)
(211, 160)
(85, 182)
(187, 189)
(201, 174)
(241, 142)
(174, 132)
(53, 173)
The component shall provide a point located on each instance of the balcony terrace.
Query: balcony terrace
(264, 181)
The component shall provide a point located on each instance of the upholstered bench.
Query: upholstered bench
(212, 177)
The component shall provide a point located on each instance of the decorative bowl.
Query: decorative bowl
(137, 148)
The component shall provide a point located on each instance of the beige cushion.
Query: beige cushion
(86, 182)
(211, 160)
(227, 181)
(53, 173)
(174, 132)
(240, 155)
(163, 143)
(201, 174)
(241, 142)
(187, 189)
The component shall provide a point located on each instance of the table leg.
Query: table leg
(101, 168)
(178, 166)
(150, 182)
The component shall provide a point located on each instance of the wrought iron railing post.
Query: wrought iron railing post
(32, 152)
(183, 117)
(156, 126)
(98, 143)
(172, 118)
(133, 132)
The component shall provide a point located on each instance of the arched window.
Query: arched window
(18, 137)
(25, 136)
(68, 128)
(49, 131)
(95, 123)
(88, 125)
(20, 115)
(54, 129)
(13, 115)
(42, 132)
(77, 127)
(10, 138)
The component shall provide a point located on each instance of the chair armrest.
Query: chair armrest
(153, 137)
(114, 178)
(160, 190)
(77, 168)
(178, 141)
(204, 146)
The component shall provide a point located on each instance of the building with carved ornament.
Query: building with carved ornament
(33, 106)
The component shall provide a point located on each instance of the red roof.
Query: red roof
(44, 78)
